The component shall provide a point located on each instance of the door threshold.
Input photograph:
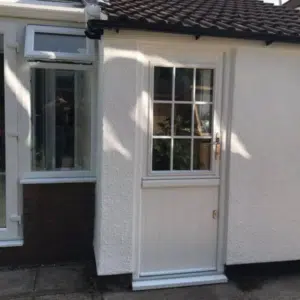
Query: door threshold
(155, 283)
(12, 243)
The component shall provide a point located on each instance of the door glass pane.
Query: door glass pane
(184, 84)
(162, 119)
(161, 154)
(182, 154)
(204, 85)
(202, 119)
(62, 43)
(2, 144)
(182, 119)
(202, 154)
(163, 83)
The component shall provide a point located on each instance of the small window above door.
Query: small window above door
(48, 43)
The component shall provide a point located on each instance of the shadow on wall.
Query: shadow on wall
(254, 163)
(59, 218)
(126, 117)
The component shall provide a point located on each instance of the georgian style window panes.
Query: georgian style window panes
(182, 119)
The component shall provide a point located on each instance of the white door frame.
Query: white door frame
(227, 61)
(10, 236)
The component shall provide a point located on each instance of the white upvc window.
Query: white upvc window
(50, 43)
(61, 120)
(184, 123)
(62, 105)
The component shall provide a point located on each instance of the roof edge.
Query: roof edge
(95, 31)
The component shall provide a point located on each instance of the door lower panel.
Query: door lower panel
(178, 231)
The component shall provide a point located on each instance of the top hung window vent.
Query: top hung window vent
(47, 43)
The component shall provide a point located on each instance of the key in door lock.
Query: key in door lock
(217, 147)
(215, 214)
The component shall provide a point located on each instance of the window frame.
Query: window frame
(216, 105)
(34, 176)
(31, 54)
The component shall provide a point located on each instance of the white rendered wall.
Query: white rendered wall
(263, 178)
(264, 164)
(115, 179)
(276, 2)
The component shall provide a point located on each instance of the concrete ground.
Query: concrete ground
(78, 282)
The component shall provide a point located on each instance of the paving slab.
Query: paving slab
(277, 288)
(209, 292)
(61, 279)
(17, 282)
(71, 296)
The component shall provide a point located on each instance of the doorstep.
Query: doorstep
(149, 283)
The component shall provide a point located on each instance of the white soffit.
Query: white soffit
(43, 10)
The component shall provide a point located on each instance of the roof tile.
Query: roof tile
(240, 16)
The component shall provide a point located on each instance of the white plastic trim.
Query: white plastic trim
(12, 243)
(177, 282)
(57, 180)
(176, 272)
(177, 182)
(31, 54)
(36, 10)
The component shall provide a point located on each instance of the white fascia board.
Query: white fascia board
(42, 10)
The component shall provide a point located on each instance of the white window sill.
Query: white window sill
(12, 243)
(57, 180)
(179, 182)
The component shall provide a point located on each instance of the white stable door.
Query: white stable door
(180, 192)
(9, 188)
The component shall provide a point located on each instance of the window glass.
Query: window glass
(59, 43)
(182, 154)
(163, 83)
(184, 84)
(161, 154)
(61, 120)
(162, 119)
(202, 154)
(183, 120)
(202, 119)
(204, 85)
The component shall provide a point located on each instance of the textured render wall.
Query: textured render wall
(264, 174)
(265, 166)
(114, 210)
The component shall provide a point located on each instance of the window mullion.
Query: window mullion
(172, 118)
(77, 96)
(54, 122)
(193, 107)
(50, 119)
(33, 119)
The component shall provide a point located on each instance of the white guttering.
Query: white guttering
(42, 10)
